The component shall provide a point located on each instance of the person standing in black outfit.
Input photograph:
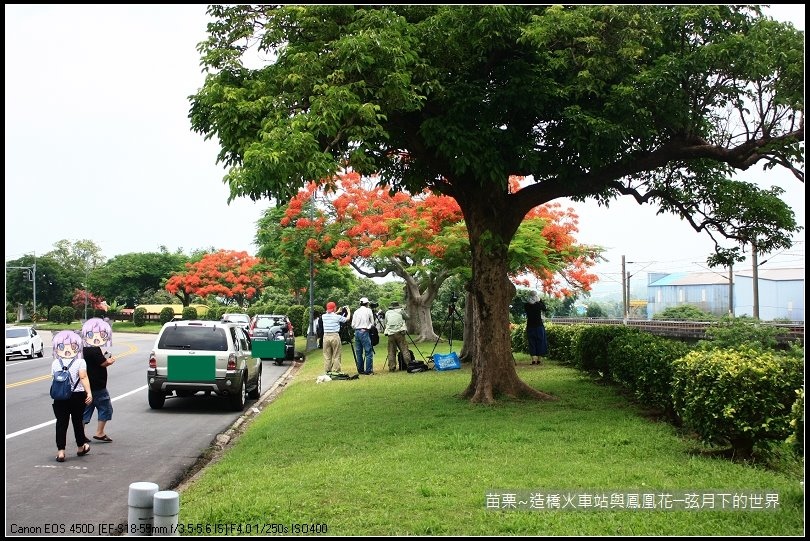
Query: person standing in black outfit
(96, 332)
(535, 330)
(67, 356)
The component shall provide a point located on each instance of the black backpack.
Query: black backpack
(374, 334)
(417, 366)
(402, 365)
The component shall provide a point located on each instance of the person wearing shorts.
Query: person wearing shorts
(95, 332)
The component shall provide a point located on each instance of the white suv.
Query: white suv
(193, 356)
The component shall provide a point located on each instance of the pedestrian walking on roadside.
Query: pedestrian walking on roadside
(67, 349)
(95, 333)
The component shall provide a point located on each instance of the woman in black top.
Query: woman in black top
(535, 331)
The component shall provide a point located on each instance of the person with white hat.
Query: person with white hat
(362, 321)
(535, 330)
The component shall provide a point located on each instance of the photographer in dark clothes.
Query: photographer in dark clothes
(535, 330)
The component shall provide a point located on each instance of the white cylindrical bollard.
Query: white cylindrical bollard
(140, 500)
(166, 508)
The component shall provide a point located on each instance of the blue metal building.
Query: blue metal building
(781, 293)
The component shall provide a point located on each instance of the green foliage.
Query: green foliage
(796, 438)
(139, 316)
(595, 310)
(166, 315)
(159, 296)
(740, 397)
(520, 343)
(297, 315)
(128, 276)
(98, 312)
(55, 314)
(67, 314)
(742, 331)
(190, 313)
(684, 312)
(562, 342)
(592, 346)
(642, 363)
(562, 307)
(215, 312)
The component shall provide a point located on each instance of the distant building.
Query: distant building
(781, 293)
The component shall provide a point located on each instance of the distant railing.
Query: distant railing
(687, 330)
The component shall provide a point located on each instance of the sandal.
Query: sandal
(60, 458)
(84, 451)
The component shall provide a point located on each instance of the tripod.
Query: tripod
(452, 313)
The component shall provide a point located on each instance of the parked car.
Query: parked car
(25, 341)
(267, 331)
(243, 320)
(193, 356)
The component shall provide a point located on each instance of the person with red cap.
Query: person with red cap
(331, 322)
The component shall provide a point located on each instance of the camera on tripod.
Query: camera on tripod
(374, 305)
(453, 297)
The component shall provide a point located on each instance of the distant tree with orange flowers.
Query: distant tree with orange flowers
(232, 275)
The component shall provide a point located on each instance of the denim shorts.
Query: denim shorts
(101, 402)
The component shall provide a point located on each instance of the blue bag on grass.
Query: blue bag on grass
(446, 361)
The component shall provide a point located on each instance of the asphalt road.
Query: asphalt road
(88, 495)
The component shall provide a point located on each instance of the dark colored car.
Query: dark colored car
(267, 332)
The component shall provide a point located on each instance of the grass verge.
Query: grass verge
(401, 454)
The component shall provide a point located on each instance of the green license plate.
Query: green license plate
(191, 368)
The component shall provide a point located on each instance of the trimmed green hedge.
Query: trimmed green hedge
(166, 315)
(592, 347)
(742, 397)
(643, 364)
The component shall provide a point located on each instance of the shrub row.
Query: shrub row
(734, 392)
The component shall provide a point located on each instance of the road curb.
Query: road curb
(225, 439)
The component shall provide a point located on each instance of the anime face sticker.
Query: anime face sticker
(67, 345)
(96, 332)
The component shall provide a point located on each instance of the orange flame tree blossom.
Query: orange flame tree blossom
(234, 275)
(422, 240)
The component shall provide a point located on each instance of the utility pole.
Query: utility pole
(34, 284)
(32, 277)
(312, 340)
(755, 276)
(730, 291)
(624, 290)
(86, 278)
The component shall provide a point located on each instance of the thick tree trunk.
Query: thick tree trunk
(420, 321)
(490, 292)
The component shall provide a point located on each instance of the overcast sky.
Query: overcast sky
(99, 147)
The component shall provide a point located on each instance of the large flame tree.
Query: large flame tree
(656, 102)
(422, 239)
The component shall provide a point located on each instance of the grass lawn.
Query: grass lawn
(401, 454)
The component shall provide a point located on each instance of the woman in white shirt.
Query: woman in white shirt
(67, 349)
